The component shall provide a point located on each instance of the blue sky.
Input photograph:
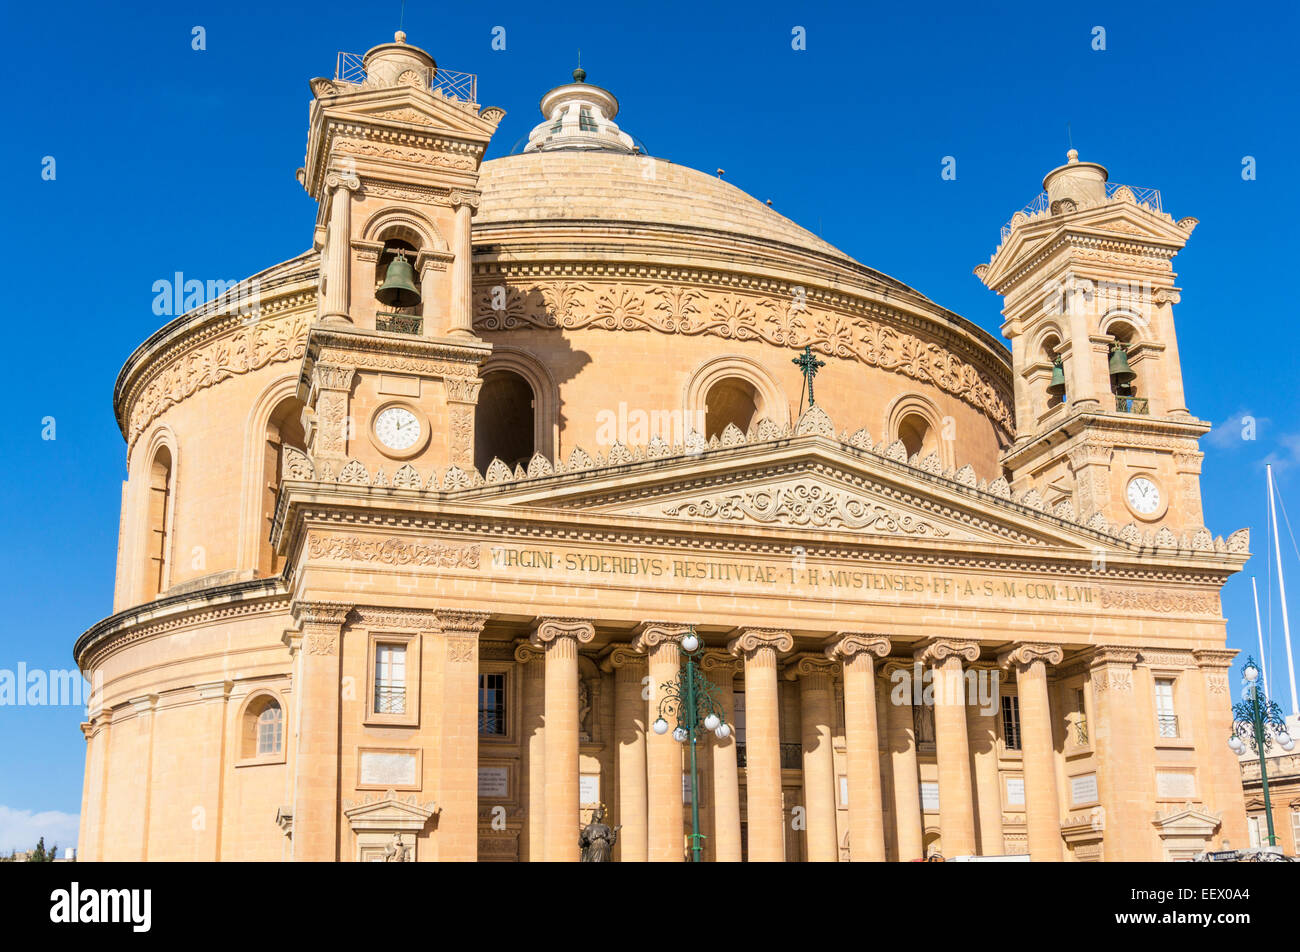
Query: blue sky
(170, 159)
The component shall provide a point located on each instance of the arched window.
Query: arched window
(1124, 383)
(730, 400)
(283, 428)
(918, 436)
(504, 422)
(262, 733)
(159, 508)
(1056, 393)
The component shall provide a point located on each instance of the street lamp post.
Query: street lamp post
(693, 700)
(1260, 721)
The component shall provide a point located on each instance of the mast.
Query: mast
(1259, 629)
(1281, 584)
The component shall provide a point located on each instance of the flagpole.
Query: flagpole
(1281, 584)
(1259, 629)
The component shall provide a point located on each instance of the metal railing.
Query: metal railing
(351, 69)
(399, 323)
(390, 699)
(1147, 197)
(1167, 724)
(1131, 405)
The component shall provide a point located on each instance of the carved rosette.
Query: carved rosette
(322, 626)
(940, 650)
(1111, 669)
(1023, 656)
(461, 630)
(760, 646)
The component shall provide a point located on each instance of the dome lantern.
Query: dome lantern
(579, 116)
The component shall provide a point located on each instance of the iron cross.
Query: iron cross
(808, 365)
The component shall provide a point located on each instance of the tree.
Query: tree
(41, 855)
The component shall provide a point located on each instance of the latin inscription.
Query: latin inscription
(792, 573)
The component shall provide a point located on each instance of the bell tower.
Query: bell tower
(390, 374)
(1086, 275)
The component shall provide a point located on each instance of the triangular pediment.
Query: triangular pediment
(797, 484)
(424, 109)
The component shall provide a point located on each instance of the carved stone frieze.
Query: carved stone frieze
(392, 551)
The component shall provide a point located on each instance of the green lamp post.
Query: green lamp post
(1260, 721)
(692, 700)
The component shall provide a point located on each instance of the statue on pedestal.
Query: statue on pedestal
(597, 839)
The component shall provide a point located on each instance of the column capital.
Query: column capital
(461, 197)
(651, 634)
(549, 630)
(344, 180)
(1214, 657)
(331, 614)
(332, 376)
(214, 690)
(938, 650)
(751, 640)
(458, 621)
(526, 652)
(850, 643)
(622, 657)
(1104, 655)
(720, 662)
(1023, 655)
(809, 665)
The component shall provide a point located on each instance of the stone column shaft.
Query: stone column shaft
(561, 637)
(630, 736)
(952, 747)
(666, 827)
(533, 717)
(1042, 802)
(462, 314)
(316, 806)
(816, 710)
(338, 245)
(721, 670)
(910, 831)
(861, 738)
(983, 733)
(766, 820)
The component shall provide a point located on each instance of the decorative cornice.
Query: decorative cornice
(1215, 658)
(459, 621)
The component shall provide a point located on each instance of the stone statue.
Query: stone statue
(597, 839)
(396, 851)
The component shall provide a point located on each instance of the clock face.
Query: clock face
(397, 428)
(1143, 496)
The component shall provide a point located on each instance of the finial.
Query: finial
(1072, 156)
(399, 36)
(579, 75)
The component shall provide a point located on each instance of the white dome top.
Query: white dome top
(579, 116)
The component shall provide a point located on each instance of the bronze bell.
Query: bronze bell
(398, 289)
(1120, 372)
(1057, 387)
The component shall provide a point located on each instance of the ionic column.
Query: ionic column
(316, 763)
(560, 638)
(458, 771)
(462, 313)
(857, 652)
(981, 727)
(956, 797)
(629, 669)
(721, 669)
(338, 243)
(658, 641)
(906, 777)
(1042, 802)
(759, 647)
(532, 710)
(816, 717)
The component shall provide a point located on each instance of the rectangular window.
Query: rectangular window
(1166, 719)
(1011, 722)
(1295, 832)
(585, 122)
(390, 679)
(492, 704)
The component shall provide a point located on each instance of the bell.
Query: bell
(1120, 372)
(398, 289)
(1057, 387)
